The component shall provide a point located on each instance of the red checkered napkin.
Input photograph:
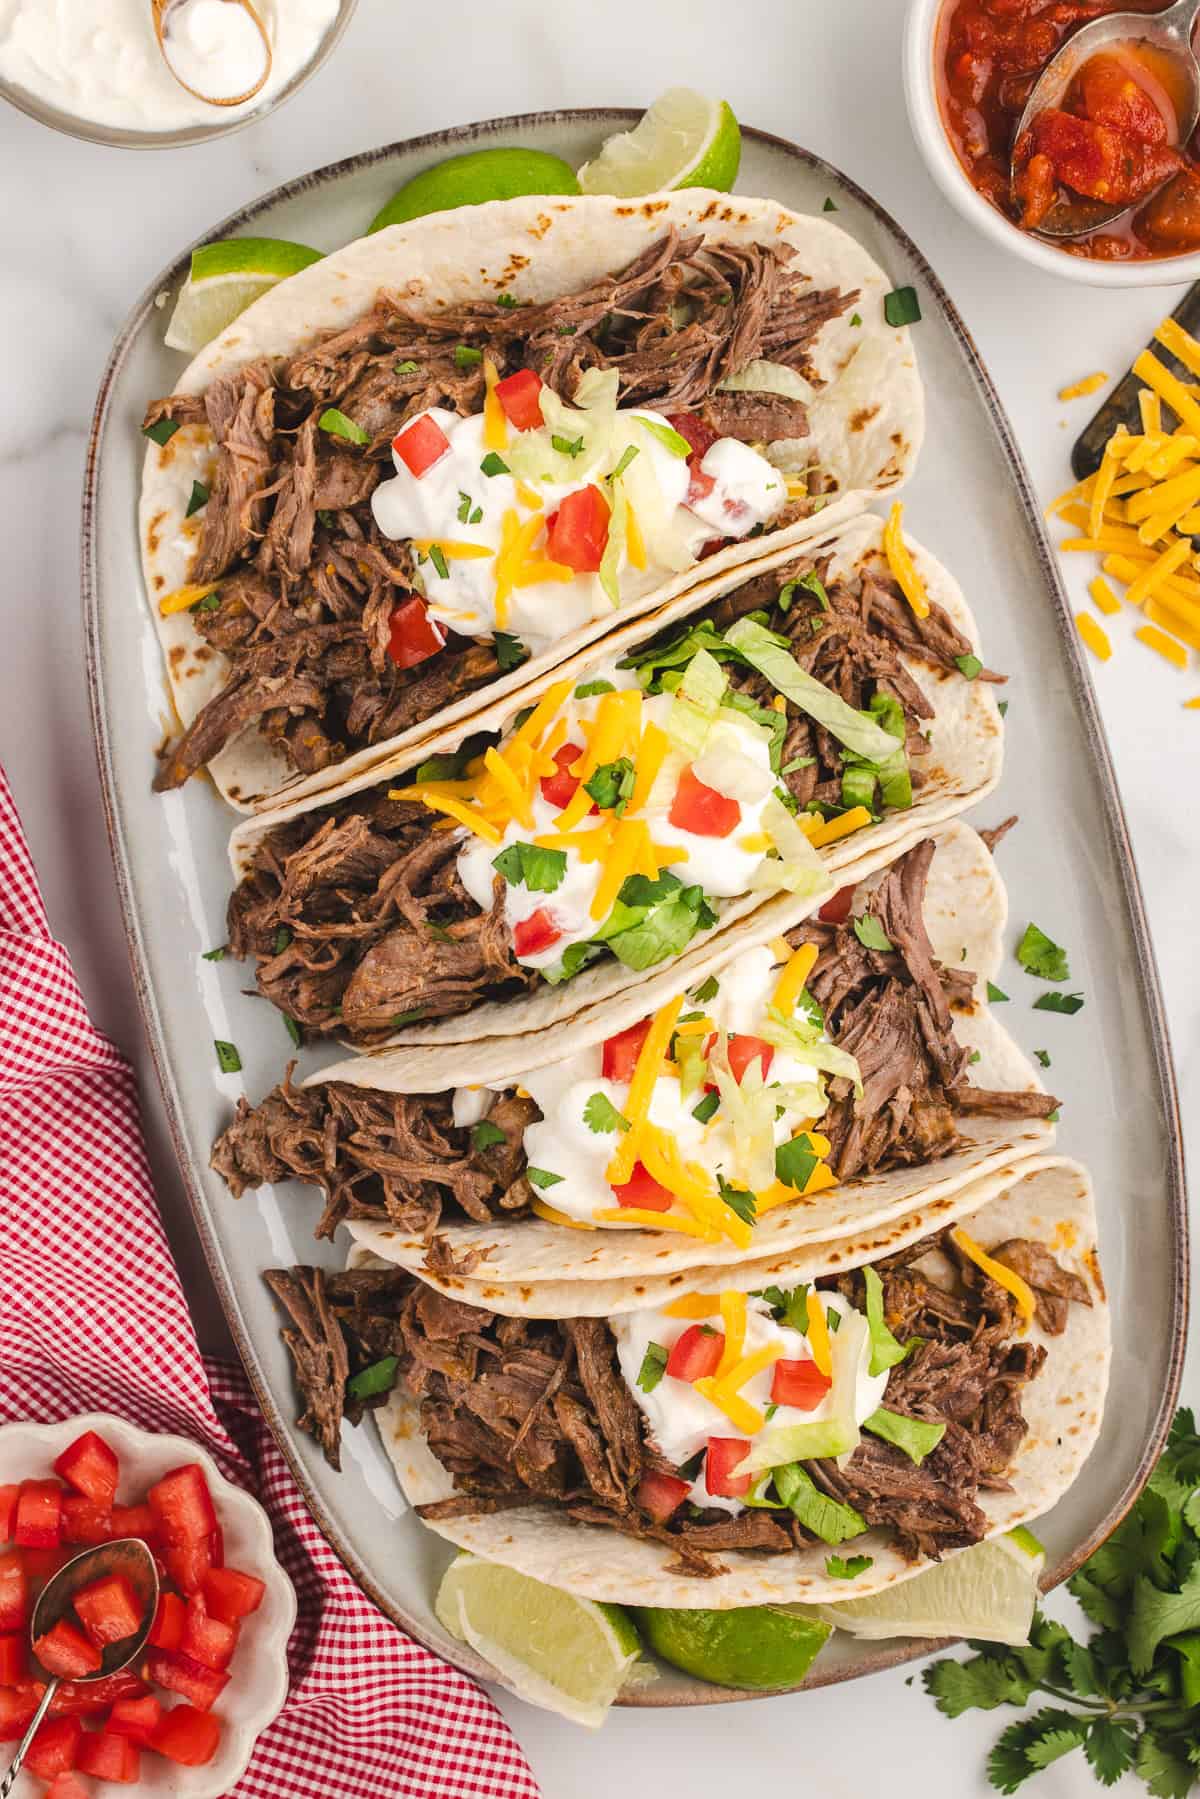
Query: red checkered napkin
(92, 1317)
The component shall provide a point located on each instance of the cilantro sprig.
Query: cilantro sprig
(1130, 1696)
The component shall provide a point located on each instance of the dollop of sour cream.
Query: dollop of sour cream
(99, 59)
(563, 1143)
(682, 1420)
(455, 502)
(721, 866)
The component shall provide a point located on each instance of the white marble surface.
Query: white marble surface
(86, 228)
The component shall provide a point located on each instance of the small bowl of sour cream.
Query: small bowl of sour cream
(93, 68)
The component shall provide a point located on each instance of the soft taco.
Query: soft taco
(820, 1439)
(819, 1078)
(439, 461)
(767, 735)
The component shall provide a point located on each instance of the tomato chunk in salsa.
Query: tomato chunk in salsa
(1111, 139)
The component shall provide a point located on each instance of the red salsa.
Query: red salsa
(1112, 138)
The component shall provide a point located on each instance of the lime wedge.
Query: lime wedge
(685, 140)
(760, 1646)
(222, 281)
(988, 1592)
(474, 177)
(568, 1655)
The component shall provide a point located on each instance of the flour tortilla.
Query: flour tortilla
(963, 765)
(866, 423)
(966, 908)
(1062, 1406)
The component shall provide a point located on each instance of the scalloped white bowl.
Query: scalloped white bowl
(259, 1684)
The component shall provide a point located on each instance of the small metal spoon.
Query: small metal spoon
(159, 11)
(128, 1556)
(1170, 34)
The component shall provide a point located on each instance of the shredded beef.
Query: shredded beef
(534, 1411)
(290, 503)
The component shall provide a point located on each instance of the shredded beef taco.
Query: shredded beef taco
(761, 738)
(442, 459)
(821, 1077)
(717, 1449)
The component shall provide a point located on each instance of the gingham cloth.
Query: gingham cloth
(92, 1317)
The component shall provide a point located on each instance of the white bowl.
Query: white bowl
(259, 1684)
(920, 92)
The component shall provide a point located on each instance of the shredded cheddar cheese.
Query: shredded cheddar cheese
(901, 563)
(1078, 390)
(1165, 646)
(842, 826)
(694, 1305)
(495, 422)
(553, 1216)
(791, 982)
(1093, 635)
(184, 598)
(818, 1333)
(1104, 596)
(996, 1271)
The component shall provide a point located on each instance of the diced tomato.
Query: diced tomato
(94, 1696)
(702, 809)
(620, 1053)
(109, 1609)
(231, 1595)
(800, 1384)
(724, 1454)
(1171, 220)
(85, 1524)
(521, 397)
(187, 1736)
(577, 533)
(42, 1565)
(661, 1495)
(109, 1757)
(8, 1512)
(415, 637)
(188, 1563)
(642, 1191)
(1106, 92)
(534, 934)
(837, 909)
(14, 1591)
(207, 1639)
(1098, 162)
(558, 789)
(136, 1719)
(182, 1504)
(420, 445)
(14, 1658)
(91, 1467)
(65, 1786)
(742, 1050)
(696, 1353)
(39, 1515)
(55, 1748)
(182, 1674)
(65, 1651)
(17, 1706)
(135, 1521)
(701, 437)
(167, 1630)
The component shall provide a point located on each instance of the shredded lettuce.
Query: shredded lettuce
(913, 1435)
(763, 377)
(750, 1108)
(771, 655)
(668, 437)
(806, 1040)
(799, 869)
(885, 1351)
(836, 1435)
(696, 704)
(826, 1518)
(618, 531)
(726, 770)
(689, 1059)
(650, 922)
(597, 390)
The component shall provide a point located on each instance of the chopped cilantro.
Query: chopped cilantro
(789, 1304)
(707, 990)
(510, 651)
(1039, 955)
(627, 456)
(283, 938)
(901, 306)
(162, 432)
(525, 864)
(611, 786)
(738, 1200)
(293, 1030)
(209, 603)
(705, 1109)
(406, 368)
(1002, 708)
(402, 1018)
(493, 464)
(1066, 1003)
(847, 1567)
(795, 1161)
(567, 446)
(438, 558)
(995, 994)
(338, 425)
(215, 955)
(600, 1115)
(485, 1134)
(197, 498)
(654, 1366)
(466, 356)
(970, 666)
(228, 1060)
(871, 934)
(1043, 1057)
(586, 689)
(856, 318)
(975, 1056)
(464, 507)
(542, 1177)
(507, 300)
(830, 205)
(327, 518)
(378, 1377)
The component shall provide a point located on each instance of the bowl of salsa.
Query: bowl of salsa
(1112, 138)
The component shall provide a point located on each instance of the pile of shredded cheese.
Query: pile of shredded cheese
(1140, 512)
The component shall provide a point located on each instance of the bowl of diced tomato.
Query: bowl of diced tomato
(969, 68)
(183, 1719)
